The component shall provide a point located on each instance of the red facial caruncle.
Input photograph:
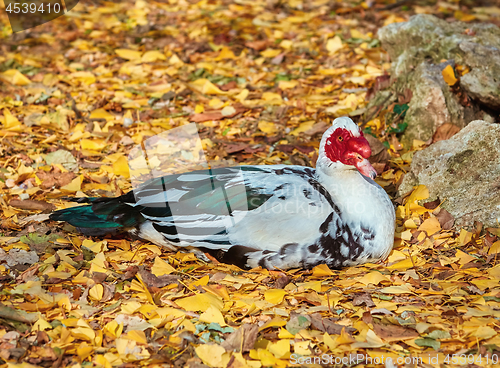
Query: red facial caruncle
(343, 147)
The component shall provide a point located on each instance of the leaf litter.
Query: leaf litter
(263, 80)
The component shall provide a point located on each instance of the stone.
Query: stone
(419, 50)
(464, 172)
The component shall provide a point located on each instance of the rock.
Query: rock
(464, 172)
(432, 104)
(420, 49)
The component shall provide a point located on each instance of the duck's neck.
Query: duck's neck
(358, 198)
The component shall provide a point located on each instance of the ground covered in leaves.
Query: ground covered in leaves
(262, 79)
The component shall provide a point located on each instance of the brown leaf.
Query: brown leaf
(228, 86)
(379, 151)
(320, 127)
(288, 148)
(445, 219)
(243, 339)
(361, 299)
(328, 326)
(235, 147)
(281, 282)
(432, 205)
(215, 114)
(29, 204)
(156, 281)
(16, 315)
(257, 45)
(53, 179)
(444, 132)
(394, 332)
(405, 97)
(130, 272)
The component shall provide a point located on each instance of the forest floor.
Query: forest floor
(263, 80)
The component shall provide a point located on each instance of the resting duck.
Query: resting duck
(275, 216)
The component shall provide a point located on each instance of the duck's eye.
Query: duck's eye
(340, 139)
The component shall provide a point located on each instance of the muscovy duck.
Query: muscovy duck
(275, 216)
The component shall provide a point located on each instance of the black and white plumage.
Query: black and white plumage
(276, 216)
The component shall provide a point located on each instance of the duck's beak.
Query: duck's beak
(366, 169)
(360, 150)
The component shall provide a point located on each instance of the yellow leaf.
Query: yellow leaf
(430, 226)
(114, 328)
(485, 284)
(407, 264)
(199, 109)
(272, 97)
(420, 192)
(128, 54)
(275, 322)
(202, 281)
(41, 325)
(199, 302)
(96, 292)
(484, 332)
(334, 44)
(302, 348)
(322, 271)
(84, 350)
(270, 53)
(96, 145)
(212, 355)
(83, 333)
(464, 257)
(329, 341)
(212, 314)
(95, 247)
(266, 358)
(74, 186)
(410, 224)
(226, 53)
(449, 75)
(86, 78)
(312, 285)
(287, 84)
(286, 44)
(267, 127)
(357, 34)
(120, 167)
(280, 349)
(464, 237)
(101, 114)
(161, 267)
(228, 110)
(495, 248)
(373, 278)
(137, 336)
(274, 296)
(151, 56)
(242, 95)
(303, 127)
(203, 85)
(10, 121)
(284, 334)
(372, 341)
(14, 76)
(401, 289)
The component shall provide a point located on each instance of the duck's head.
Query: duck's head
(344, 143)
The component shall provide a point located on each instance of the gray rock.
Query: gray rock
(464, 172)
(417, 49)
(432, 103)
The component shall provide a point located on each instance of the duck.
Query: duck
(277, 217)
